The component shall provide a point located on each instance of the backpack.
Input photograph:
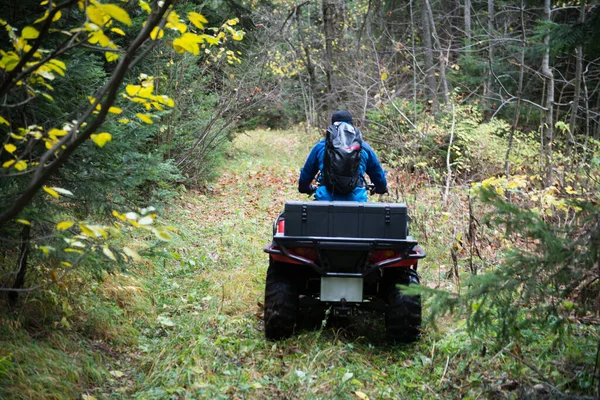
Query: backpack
(343, 148)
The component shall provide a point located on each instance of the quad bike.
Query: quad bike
(345, 257)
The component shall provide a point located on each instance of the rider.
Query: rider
(369, 165)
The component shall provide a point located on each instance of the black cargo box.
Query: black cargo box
(346, 219)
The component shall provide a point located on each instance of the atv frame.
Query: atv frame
(343, 274)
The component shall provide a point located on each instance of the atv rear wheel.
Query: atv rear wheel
(281, 302)
(403, 315)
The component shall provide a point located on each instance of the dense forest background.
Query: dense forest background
(485, 113)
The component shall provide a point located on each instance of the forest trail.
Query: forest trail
(206, 338)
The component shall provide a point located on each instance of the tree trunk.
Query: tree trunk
(441, 56)
(414, 63)
(468, 19)
(490, 75)
(519, 92)
(332, 25)
(21, 264)
(431, 82)
(577, 94)
(549, 118)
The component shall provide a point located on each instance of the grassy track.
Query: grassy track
(188, 325)
(209, 340)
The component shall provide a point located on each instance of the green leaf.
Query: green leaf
(165, 321)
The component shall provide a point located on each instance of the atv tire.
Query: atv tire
(403, 315)
(281, 303)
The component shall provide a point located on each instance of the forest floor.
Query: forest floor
(189, 325)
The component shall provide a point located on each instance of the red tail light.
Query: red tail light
(380, 255)
(306, 252)
(281, 227)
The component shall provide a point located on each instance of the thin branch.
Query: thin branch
(10, 81)
(72, 140)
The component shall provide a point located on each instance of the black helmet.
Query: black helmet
(341, 116)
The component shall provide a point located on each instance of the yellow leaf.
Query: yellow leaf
(53, 133)
(132, 254)
(4, 121)
(70, 250)
(211, 40)
(57, 16)
(10, 148)
(51, 191)
(108, 253)
(29, 32)
(145, 117)
(66, 264)
(120, 216)
(61, 226)
(118, 31)
(86, 231)
(145, 6)
(111, 56)
(187, 42)
(42, 18)
(23, 221)
(361, 395)
(384, 76)
(132, 90)
(21, 165)
(197, 19)
(157, 33)
(8, 163)
(163, 234)
(95, 15)
(238, 35)
(124, 121)
(115, 110)
(232, 22)
(117, 13)
(101, 138)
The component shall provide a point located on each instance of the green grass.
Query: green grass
(188, 324)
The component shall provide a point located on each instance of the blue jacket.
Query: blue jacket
(369, 165)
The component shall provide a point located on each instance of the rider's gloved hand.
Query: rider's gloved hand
(304, 188)
(313, 189)
(379, 190)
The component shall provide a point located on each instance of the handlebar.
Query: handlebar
(369, 186)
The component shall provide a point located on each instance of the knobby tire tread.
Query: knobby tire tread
(403, 316)
(281, 304)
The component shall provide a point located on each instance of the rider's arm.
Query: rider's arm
(310, 169)
(375, 171)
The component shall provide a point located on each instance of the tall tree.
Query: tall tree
(428, 51)
(548, 127)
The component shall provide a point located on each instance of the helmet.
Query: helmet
(341, 116)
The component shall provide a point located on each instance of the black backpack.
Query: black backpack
(343, 148)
